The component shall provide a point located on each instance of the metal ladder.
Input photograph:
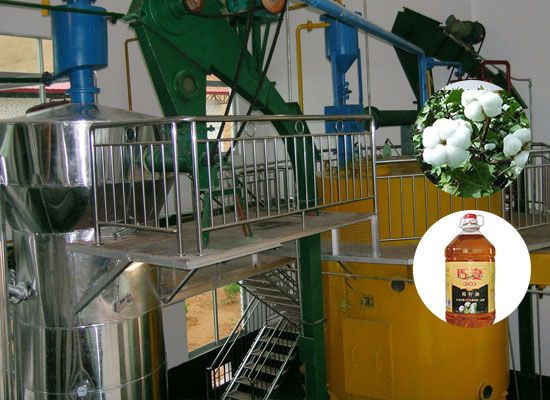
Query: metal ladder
(267, 360)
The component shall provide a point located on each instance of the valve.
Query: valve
(23, 291)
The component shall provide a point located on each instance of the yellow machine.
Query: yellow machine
(382, 342)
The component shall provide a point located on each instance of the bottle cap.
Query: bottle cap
(470, 221)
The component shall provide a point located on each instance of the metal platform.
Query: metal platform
(536, 238)
(161, 249)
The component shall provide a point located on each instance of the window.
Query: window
(28, 57)
(212, 315)
(221, 375)
(25, 54)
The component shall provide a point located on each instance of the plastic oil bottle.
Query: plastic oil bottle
(470, 276)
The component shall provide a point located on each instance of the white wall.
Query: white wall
(518, 31)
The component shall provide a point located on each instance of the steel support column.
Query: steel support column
(312, 341)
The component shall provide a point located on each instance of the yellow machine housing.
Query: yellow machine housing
(382, 342)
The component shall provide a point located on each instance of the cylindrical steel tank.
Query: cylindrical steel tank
(114, 348)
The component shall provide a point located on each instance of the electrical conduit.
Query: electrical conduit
(309, 26)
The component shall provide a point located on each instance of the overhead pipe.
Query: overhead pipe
(113, 16)
(128, 74)
(342, 14)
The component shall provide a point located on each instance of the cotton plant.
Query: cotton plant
(472, 143)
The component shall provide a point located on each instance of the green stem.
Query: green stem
(484, 131)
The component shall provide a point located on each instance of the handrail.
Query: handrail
(229, 118)
(246, 314)
(165, 152)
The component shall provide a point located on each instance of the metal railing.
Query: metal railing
(527, 200)
(223, 368)
(236, 181)
(413, 203)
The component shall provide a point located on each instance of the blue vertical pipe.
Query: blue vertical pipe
(80, 48)
(340, 13)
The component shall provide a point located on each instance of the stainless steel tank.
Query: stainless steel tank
(114, 348)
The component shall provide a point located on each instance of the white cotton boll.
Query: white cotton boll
(490, 146)
(446, 127)
(491, 103)
(512, 145)
(455, 155)
(474, 111)
(523, 134)
(465, 124)
(461, 138)
(430, 137)
(521, 158)
(436, 156)
(469, 96)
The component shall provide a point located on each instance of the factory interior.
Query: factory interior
(219, 199)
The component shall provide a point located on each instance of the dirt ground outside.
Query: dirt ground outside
(200, 320)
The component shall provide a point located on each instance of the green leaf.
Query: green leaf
(475, 181)
(524, 120)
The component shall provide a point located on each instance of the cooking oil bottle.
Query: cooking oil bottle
(470, 276)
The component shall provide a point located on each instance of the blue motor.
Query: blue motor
(80, 47)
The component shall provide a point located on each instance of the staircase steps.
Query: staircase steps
(258, 384)
(238, 395)
(264, 369)
(268, 358)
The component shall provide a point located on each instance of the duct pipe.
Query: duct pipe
(340, 13)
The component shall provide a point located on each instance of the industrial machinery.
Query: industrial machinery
(114, 348)
(94, 198)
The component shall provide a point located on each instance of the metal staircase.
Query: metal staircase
(275, 345)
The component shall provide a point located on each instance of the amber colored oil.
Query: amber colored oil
(470, 247)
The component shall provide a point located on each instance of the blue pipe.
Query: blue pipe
(80, 48)
(433, 62)
(83, 89)
(340, 13)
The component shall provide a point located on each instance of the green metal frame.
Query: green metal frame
(180, 50)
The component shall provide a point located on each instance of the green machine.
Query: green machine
(452, 41)
(183, 42)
